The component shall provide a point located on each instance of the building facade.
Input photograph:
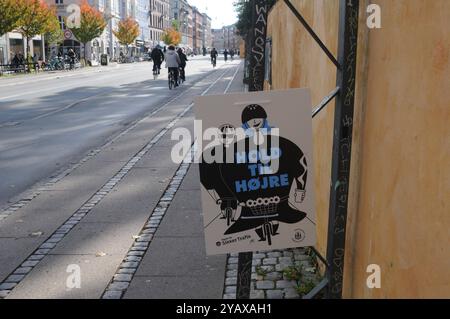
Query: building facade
(197, 31)
(207, 35)
(107, 43)
(3, 50)
(226, 38)
(194, 25)
(153, 17)
(114, 11)
(218, 39)
(232, 39)
(13, 43)
(179, 11)
(142, 16)
(159, 19)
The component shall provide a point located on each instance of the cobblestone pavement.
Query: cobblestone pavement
(277, 274)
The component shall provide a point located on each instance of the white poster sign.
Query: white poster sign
(256, 171)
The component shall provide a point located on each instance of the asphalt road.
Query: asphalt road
(48, 122)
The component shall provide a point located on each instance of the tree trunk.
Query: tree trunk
(28, 58)
(85, 60)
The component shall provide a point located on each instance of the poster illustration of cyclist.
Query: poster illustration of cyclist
(256, 171)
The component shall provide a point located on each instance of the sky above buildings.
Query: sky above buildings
(221, 11)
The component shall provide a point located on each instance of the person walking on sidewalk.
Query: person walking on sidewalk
(72, 57)
(157, 56)
(183, 59)
(232, 54)
(173, 62)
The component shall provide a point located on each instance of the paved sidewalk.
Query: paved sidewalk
(176, 264)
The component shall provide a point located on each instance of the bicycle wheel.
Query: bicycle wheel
(170, 82)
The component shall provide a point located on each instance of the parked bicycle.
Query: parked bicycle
(55, 64)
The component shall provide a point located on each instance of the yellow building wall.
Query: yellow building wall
(399, 216)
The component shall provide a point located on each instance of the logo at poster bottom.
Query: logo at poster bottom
(299, 235)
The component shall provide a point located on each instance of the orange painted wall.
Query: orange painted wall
(399, 214)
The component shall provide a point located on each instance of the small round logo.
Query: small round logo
(218, 244)
(299, 235)
(67, 34)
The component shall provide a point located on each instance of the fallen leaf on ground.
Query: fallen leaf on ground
(100, 254)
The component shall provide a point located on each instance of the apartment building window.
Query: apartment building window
(61, 22)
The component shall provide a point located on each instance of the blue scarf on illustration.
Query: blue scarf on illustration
(265, 129)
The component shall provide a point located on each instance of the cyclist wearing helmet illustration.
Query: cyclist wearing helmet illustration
(262, 193)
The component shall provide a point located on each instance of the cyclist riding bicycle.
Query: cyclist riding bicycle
(157, 56)
(183, 59)
(173, 62)
(214, 55)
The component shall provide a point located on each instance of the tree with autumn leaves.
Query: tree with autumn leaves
(9, 16)
(92, 24)
(127, 32)
(34, 17)
(172, 35)
(29, 17)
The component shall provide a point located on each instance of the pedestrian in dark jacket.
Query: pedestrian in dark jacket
(72, 57)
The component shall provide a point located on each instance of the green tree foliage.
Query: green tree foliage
(176, 25)
(92, 24)
(36, 18)
(10, 14)
(127, 31)
(244, 11)
(54, 34)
